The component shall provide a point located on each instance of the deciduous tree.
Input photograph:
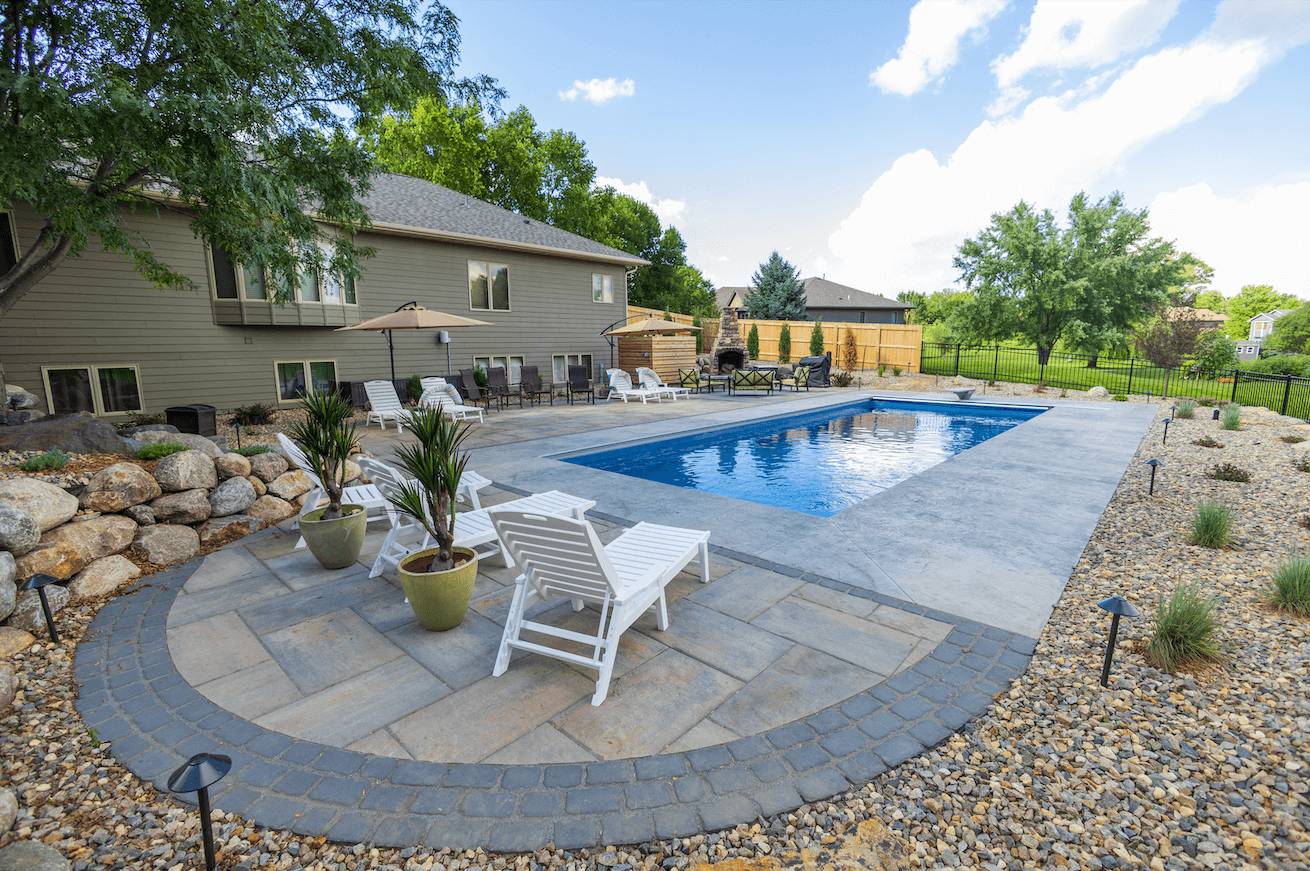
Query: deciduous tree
(1167, 341)
(776, 293)
(1215, 351)
(1252, 300)
(1291, 332)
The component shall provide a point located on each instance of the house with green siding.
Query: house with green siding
(95, 336)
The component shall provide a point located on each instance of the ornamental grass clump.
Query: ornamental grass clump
(159, 451)
(252, 450)
(1185, 631)
(46, 462)
(1186, 409)
(1290, 590)
(1211, 522)
(1231, 416)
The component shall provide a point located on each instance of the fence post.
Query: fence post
(1287, 392)
(957, 360)
(1129, 391)
(1237, 373)
(996, 362)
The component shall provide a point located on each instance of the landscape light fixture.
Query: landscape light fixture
(1119, 607)
(197, 775)
(1165, 440)
(1216, 414)
(1173, 410)
(39, 583)
(1154, 464)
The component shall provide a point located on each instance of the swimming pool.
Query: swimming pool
(817, 463)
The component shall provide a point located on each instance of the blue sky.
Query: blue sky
(865, 141)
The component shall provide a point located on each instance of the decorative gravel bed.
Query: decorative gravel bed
(1193, 771)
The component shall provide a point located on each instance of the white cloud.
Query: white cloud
(668, 211)
(1064, 34)
(599, 90)
(932, 44)
(820, 267)
(909, 223)
(1256, 240)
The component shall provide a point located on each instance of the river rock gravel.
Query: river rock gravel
(1189, 771)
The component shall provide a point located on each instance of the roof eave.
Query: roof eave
(471, 239)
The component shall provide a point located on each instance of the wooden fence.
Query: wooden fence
(876, 344)
(709, 327)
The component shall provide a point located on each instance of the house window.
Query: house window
(602, 288)
(861, 317)
(511, 363)
(234, 281)
(295, 378)
(97, 389)
(560, 363)
(488, 286)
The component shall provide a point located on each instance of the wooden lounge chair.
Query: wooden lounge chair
(499, 384)
(580, 385)
(368, 495)
(530, 386)
(650, 380)
(384, 404)
(476, 395)
(621, 388)
(624, 579)
(438, 394)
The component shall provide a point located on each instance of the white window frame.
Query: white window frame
(491, 301)
(567, 361)
(305, 373)
(602, 288)
(486, 361)
(97, 400)
(243, 294)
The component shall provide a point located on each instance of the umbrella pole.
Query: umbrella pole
(391, 352)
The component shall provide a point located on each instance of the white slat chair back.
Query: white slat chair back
(562, 556)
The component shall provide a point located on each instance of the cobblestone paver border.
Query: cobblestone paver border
(132, 694)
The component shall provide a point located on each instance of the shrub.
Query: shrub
(784, 343)
(414, 386)
(882, 367)
(753, 343)
(1119, 397)
(850, 351)
(1293, 440)
(1207, 442)
(1210, 524)
(1185, 630)
(841, 379)
(816, 340)
(1279, 364)
(1229, 472)
(1302, 465)
(1206, 401)
(159, 451)
(55, 459)
(1040, 388)
(252, 450)
(480, 376)
(896, 371)
(258, 414)
(1187, 409)
(1290, 590)
(1231, 416)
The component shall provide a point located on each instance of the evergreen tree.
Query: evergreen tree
(850, 351)
(816, 340)
(753, 342)
(784, 344)
(776, 293)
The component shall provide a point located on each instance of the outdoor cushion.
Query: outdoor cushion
(751, 379)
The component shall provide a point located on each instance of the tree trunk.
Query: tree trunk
(1043, 355)
(1091, 364)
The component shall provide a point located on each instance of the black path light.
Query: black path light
(1173, 410)
(39, 583)
(1165, 440)
(1119, 607)
(1154, 464)
(196, 775)
(1216, 414)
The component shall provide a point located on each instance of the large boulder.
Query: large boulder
(231, 497)
(353, 471)
(18, 398)
(8, 686)
(186, 470)
(271, 509)
(133, 431)
(102, 577)
(119, 486)
(8, 810)
(167, 543)
(267, 467)
(1098, 393)
(191, 440)
(231, 466)
(232, 526)
(92, 539)
(8, 584)
(81, 433)
(260, 487)
(190, 506)
(14, 640)
(29, 615)
(289, 485)
(144, 515)
(19, 531)
(59, 558)
(48, 505)
(32, 856)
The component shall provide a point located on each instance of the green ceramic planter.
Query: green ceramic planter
(439, 599)
(335, 543)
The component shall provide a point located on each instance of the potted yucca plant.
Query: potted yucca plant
(335, 533)
(438, 581)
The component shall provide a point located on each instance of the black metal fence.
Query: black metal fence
(1285, 394)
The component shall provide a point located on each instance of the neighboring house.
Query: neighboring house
(1260, 327)
(731, 297)
(831, 302)
(1209, 320)
(95, 336)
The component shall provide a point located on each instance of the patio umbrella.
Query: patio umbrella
(651, 325)
(412, 316)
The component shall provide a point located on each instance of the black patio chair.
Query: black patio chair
(476, 395)
(579, 384)
(530, 386)
(499, 384)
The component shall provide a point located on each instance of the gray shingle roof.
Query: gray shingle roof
(821, 293)
(399, 202)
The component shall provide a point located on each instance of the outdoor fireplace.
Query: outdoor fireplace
(729, 351)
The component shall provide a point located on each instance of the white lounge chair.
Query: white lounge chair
(438, 394)
(621, 388)
(384, 404)
(563, 557)
(473, 529)
(367, 495)
(650, 380)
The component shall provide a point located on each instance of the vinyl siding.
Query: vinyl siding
(95, 310)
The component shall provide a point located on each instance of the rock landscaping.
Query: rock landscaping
(1204, 770)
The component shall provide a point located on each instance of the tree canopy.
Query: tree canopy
(1086, 283)
(234, 112)
(776, 293)
(1252, 300)
(1291, 332)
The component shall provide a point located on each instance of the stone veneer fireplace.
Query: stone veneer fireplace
(729, 351)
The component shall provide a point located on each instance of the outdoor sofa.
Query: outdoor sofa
(750, 379)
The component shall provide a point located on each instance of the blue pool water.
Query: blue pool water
(817, 463)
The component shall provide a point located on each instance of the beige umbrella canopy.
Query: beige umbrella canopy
(651, 325)
(413, 316)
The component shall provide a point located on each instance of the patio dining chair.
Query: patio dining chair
(499, 384)
(384, 404)
(476, 395)
(798, 379)
(563, 557)
(530, 386)
(580, 385)
(438, 394)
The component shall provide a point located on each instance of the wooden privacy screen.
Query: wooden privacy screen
(665, 354)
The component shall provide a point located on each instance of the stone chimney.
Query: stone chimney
(729, 346)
